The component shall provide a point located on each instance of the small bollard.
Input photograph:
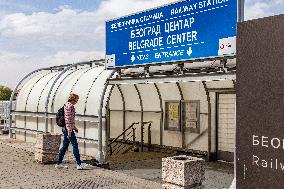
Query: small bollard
(47, 147)
(183, 172)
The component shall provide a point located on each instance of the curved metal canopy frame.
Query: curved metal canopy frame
(53, 84)
(53, 97)
(123, 107)
(100, 132)
(14, 92)
(140, 102)
(104, 94)
(162, 112)
(37, 81)
(142, 112)
(90, 89)
(42, 93)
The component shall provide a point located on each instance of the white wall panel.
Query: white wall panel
(131, 97)
(65, 89)
(150, 97)
(30, 137)
(155, 128)
(93, 102)
(92, 130)
(169, 91)
(41, 124)
(115, 102)
(172, 138)
(25, 90)
(116, 123)
(92, 149)
(54, 92)
(198, 141)
(42, 100)
(195, 91)
(80, 126)
(20, 121)
(20, 135)
(83, 86)
(35, 94)
(31, 123)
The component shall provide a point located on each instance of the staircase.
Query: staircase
(126, 141)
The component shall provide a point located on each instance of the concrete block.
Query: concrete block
(47, 147)
(183, 171)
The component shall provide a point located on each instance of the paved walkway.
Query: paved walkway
(218, 175)
(19, 170)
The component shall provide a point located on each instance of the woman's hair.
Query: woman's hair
(73, 97)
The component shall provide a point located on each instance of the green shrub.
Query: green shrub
(5, 93)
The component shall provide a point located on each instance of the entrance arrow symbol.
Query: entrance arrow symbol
(132, 58)
(189, 51)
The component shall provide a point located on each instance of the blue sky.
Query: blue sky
(42, 33)
(30, 6)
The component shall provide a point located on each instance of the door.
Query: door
(226, 123)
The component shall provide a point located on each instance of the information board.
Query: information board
(184, 30)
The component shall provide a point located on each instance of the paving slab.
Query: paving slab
(19, 170)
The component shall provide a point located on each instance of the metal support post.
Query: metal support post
(100, 112)
(241, 12)
(149, 136)
(146, 71)
(181, 66)
(142, 136)
(133, 136)
(209, 119)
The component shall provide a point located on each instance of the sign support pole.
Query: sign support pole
(241, 10)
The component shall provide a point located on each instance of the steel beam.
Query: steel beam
(181, 116)
(175, 79)
(100, 112)
(162, 113)
(142, 117)
(89, 91)
(123, 106)
(209, 118)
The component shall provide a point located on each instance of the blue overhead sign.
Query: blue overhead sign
(189, 29)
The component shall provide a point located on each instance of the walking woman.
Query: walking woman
(69, 134)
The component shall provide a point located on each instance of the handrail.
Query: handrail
(148, 122)
(134, 123)
(142, 134)
(118, 149)
(122, 134)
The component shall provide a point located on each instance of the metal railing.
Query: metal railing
(117, 145)
(4, 114)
